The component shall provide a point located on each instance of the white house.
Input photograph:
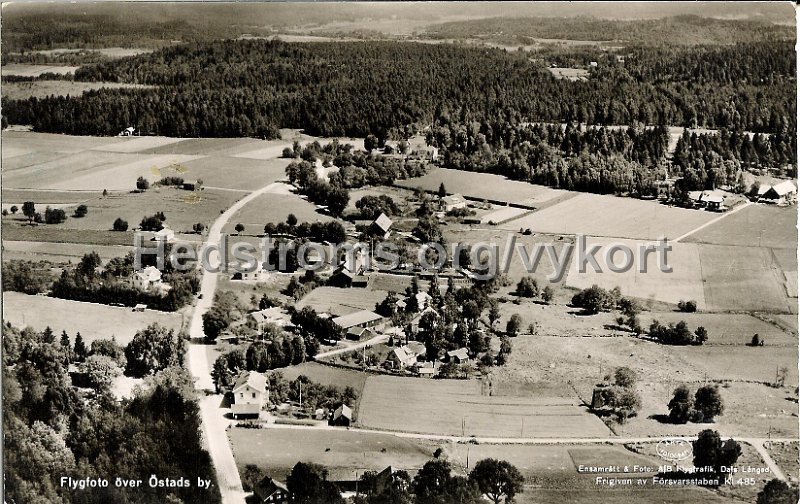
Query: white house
(452, 202)
(148, 278)
(275, 316)
(400, 358)
(249, 394)
(127, 131)
(166, 235)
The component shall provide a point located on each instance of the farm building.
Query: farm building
(400, 358)
(782, 192)
(363, 318)
(428, 153)
(275, 316)
(249, 394)
(459, 356)
(259, 275)
(270, 491)
(140, 308)
(127, 131)
(193, 185)
(342, 417)
(359, 333)
(165, 234)
(381, 225)
(426, 369)
(452, 202)
(148, 278)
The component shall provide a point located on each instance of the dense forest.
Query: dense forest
(254, 87)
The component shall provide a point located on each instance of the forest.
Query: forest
(254, 87)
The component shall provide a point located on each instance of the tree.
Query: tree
(700, 335)
(29, 211)
(120, 225)
(708, 401)
(337, 200)
(756, 341)
(593, 299)
(777, 492)
(681, 405)
(239, 228)
(153, 349)
(710, 451)
(370, 143)
(527, 287)
(308, 485)
(442, 191)
(291, 220)
(547, 294)
(100, 371)
(625, 377)
(81, 211)
(221, 374)
(497, 479)
(199, 228)
(14, 209)
(513, 325)
(79, 350)
(214, 322)
(142, 184)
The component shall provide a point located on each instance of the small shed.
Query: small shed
(343, 416)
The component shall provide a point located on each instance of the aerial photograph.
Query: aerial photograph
(399, 252)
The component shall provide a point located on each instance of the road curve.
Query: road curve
(212, 416)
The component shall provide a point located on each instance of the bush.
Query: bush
(687, 306)
(81, 211)
(120, 225)
(54, 215)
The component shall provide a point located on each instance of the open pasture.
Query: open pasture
(440, 407)
(754, 226)
(341, 301)
(613, 217)
(273, 207)
(46, 88)
(93, 321)
(683, 283)
(25, 70)
(59, 252)
(231, 172)
(573, 74)
(15, 230)
(483, 186)
(726, 328)
(743, 278)
(327, 375)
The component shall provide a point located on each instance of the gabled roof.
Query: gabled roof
(461, 353)
(383, 222)
(357, 318)
(269, 486)
(150, 274)
(255, 380)
(453, 199)
(358, 331)
(343, 411)
(784, 188)
(268, 314)
(402, 355)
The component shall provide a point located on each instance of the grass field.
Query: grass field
(43, 89)
(440, 406)
(321, 373)
(59, 252)
(273, 207)
(754, 226)
(483, 186)
(727, 328)
(341, 301)
(684, 282)
(14, 230)
(93, 321)
(614, 217)
(25, 70)
(743, 278)
(573, 74)
(786, 455)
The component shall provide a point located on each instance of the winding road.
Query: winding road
(212, 414)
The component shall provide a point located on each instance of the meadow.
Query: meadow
(754, 226)
(341, 301)
(44, 88)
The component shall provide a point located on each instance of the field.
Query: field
(727, 328)
(274, 207)
(786, 455)
(24, 70)
(573, 74)
(93, 321)
(754, 226)
(45, 88)
(14, 230)
(341, 301)
(613, 217)
(321, 373)
(59, 252)
(440, 407)
(684, 282)
(483, 186)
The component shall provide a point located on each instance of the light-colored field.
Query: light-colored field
(53, 251)
(726, 328)
(93, 321)
(14, 196)
(24, 70)
(273, 207)
(502, 214)
(440, 407)
(754, 226)
(573, 74)
(743, 278)
(613, 217)
(16, 230)
(327, 375)
(684, 282)
(233, 172)
(341, 301)
(786, 455)
(483, 186)
(621, 495)
(45, 88)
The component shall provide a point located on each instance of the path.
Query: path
(213, 418)
(713, 221)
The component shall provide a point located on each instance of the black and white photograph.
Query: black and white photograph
(399, 252)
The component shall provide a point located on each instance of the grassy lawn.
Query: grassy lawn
(754, 226)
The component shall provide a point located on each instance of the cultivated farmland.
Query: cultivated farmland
(339, 301)
(93, 321)
(754, 226)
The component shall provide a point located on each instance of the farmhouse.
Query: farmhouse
(400, 358)
(195, 185)
(148, 278)
(127, 131)
(166, 235)
(363, 318)
(249, 394)
(426, 369)
(275, 316)
(270, 491)
(342, 417)
(381, 225)
(259, 275)
(459, 356)
(452, 202)
(783, 192)
(140, 308)
(359, 333)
